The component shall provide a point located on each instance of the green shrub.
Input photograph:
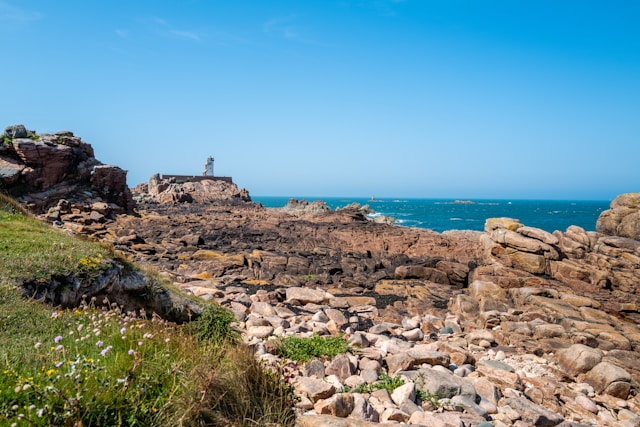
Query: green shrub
(215, 325)
(304, 349)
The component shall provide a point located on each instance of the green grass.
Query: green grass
(93, 366)
(304, 349)
(31, 250)
(385, 382)
(215, 325)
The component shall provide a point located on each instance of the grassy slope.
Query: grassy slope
(30, 249)
(91, 366)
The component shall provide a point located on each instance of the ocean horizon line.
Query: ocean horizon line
(387, 198)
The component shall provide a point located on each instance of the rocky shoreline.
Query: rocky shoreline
(513, 326)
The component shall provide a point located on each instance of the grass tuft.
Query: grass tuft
(304, 349)
(10, 206)
(234, 391)
(215, 325)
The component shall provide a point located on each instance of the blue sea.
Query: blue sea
(448, 214)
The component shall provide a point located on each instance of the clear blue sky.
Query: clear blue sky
(413, 98)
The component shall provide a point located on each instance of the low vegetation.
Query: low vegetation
(303, 349)
(96, 365)
(385, 382)
(31, 250)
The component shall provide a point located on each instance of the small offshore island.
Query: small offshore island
(511, 326)
(462, 202)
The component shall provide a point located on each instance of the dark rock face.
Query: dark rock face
(41, 169)
(16, 131)
(129, 290)
(110, 182)
(343, 250)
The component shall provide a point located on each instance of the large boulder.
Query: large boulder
(10, 170)
(610, 379)
(532, 413)
(16, 131)
(111, 183)
(50, 163)
(578, 359)
(525, 248)
(623, 219)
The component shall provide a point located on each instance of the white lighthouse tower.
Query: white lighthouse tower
(208, 167)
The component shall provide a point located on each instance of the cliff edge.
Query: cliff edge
(58, 174)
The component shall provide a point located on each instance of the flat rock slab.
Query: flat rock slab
(306, 295)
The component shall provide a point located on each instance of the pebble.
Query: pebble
(587, 404)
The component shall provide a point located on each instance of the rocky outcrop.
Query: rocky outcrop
(318, 207)
(411, 268)
(207, 190)
(39, 170)
(623, 219)
(304, 207)
(603, 265)
(110, 183)
(130, 289)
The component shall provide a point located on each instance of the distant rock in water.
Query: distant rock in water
(623, 219)
(199, 189)
(40, 170)
(365, 209)
(354, 210)
(371, 215)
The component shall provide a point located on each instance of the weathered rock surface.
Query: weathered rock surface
(623, 219)
(167, 190)
(304, 207)
(40, 170)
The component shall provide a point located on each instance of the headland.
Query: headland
(511, 326)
